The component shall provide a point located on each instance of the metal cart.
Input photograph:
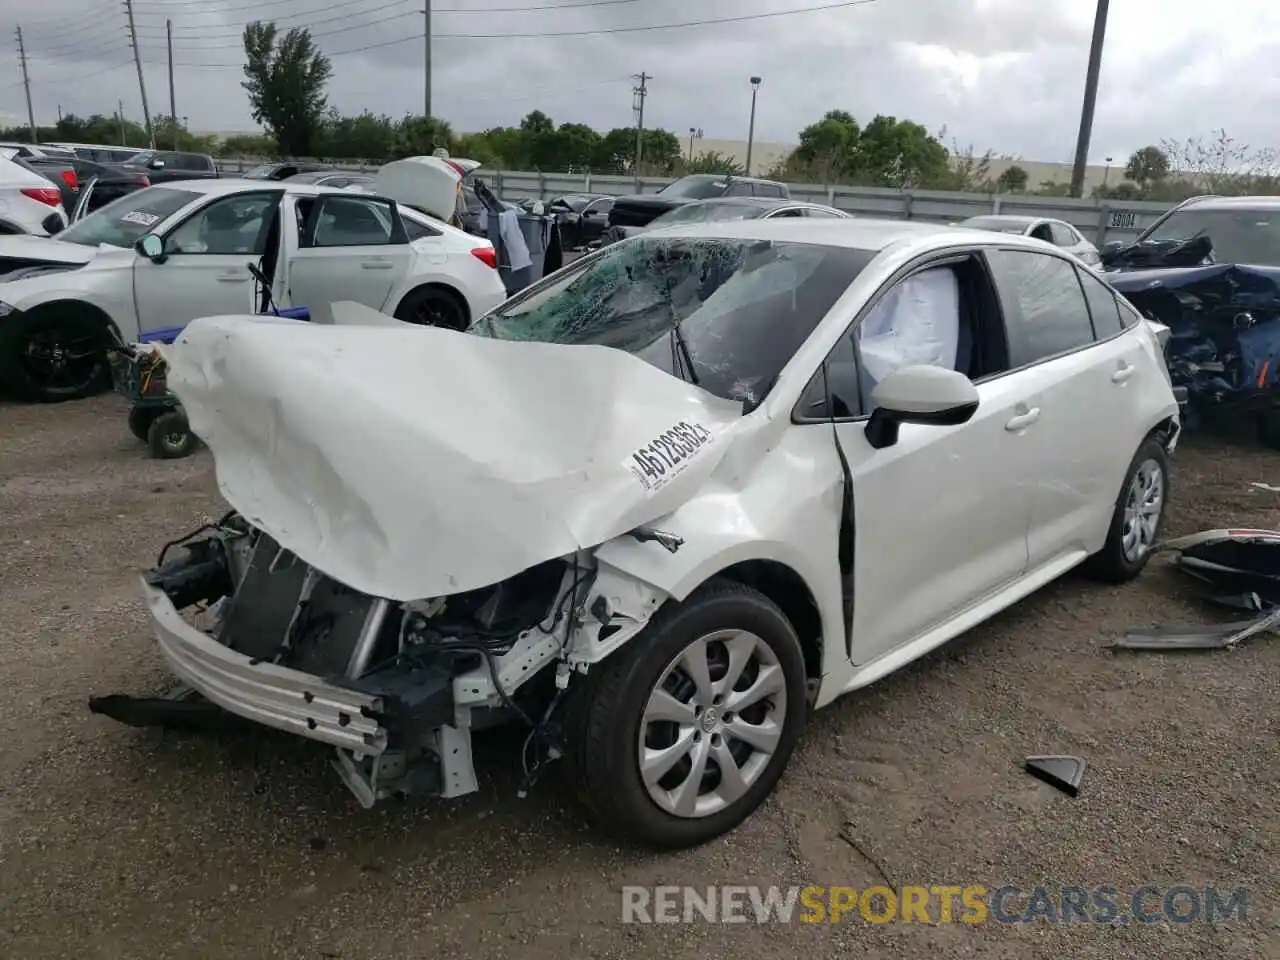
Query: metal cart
(156, 417)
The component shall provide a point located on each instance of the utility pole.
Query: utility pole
(1090, 98)
(142, 84)
(26, 82)
(640, 93)
(751, 129)
(426, 60)
(124, 142)
(173, 104)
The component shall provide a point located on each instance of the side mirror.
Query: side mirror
(151, 247)
(919, 394)
(156, 165)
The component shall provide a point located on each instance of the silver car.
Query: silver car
(729, 208)
(1058, 232)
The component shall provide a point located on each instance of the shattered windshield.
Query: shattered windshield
(696, 187)
(1237, 236)
(707, 212)
(726, 314)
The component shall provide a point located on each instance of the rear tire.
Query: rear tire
(1137, 518)
(1269, 428)
(633, 697)
(434, 307)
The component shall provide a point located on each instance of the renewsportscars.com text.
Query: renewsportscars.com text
(973, 904)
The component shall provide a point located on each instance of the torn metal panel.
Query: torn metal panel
(1219, 637)
(1224, 321)
(435, 462)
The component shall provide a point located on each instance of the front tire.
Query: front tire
(48, 357)
(1137, 518)
(682, 734)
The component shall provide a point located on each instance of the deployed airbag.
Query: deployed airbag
(418, 462)
(917, 322)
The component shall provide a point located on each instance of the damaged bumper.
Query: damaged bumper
(272, 695)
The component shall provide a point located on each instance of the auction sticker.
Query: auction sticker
(144, 219)
(667, 455)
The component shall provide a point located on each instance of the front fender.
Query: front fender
(785, 511)
(113, 296)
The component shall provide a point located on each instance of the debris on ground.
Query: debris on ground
(1235, 568)
(1062, 772)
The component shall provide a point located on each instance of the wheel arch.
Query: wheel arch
(786, 588)
(90, 311)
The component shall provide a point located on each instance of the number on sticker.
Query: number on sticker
(1123, 219)
(668, 452)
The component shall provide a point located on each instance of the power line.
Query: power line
(839, 4)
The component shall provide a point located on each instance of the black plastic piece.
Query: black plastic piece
(199, 575)
(415, 699)
(190, 713)
(1062, 772)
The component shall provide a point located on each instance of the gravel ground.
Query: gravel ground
(121, 843)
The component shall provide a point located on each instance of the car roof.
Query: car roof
(862, 233)
(1009, 218)
(311, 176)
(1234, 203)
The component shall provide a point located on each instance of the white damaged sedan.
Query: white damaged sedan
(657, 507)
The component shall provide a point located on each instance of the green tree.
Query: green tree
(617, 151)
(1147, 166)
(828, 146)
(1013, 179)
(364, 136)
(715, 162)
(286, 82)
(577, 144)
(419, 137)
(899, 153)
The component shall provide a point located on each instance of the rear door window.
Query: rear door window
(1103, 307)
(1043, 302)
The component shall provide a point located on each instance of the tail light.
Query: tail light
(50, 195)
(70, 179)
(142, 180)
(486, 255)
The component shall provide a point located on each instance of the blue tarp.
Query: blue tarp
(170, 334)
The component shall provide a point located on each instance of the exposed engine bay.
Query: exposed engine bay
(395, 687)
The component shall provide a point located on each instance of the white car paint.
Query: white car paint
(1057, 232)
(25, 213)
(951, 523)
(139, 295)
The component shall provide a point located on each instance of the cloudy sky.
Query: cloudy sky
(999, 74)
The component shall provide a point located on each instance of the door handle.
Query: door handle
(1123, 374)
(1023, 420)
(232, 277)
(376, 265)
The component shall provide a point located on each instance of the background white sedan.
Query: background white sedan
(61, 298)
(1058, 232)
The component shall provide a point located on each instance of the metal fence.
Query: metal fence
(1099, 220)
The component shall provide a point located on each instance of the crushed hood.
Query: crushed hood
(411, 462)
(26, 250)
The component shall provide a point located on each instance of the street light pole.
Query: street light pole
(1090, 98)
(751, 129)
